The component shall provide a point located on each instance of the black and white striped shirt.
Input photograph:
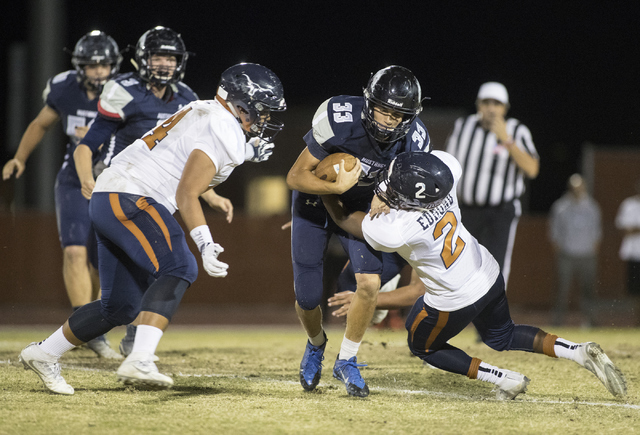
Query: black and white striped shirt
(490, 177)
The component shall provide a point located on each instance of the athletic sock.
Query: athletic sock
(56, 344)
(318, 340)
(568, 350)
(489, 373)
(348, 349)
(147, 339)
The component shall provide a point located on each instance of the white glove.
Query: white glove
(210, 262)
(210, 251)
(258, 150)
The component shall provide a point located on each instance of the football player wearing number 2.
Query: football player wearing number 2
(416, 214)
(374, 128)
(145, 263)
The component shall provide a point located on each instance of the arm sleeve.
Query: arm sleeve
(381, 234)
(99, 133)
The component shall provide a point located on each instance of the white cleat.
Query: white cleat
(512, 384)
(46, 367)
(139, 369)
(100, 345)
(598, 363)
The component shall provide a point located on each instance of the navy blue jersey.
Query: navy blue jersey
(69, 99)
(128, 109)
(338, 128)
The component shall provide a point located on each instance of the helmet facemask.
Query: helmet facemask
(382, 133)
(164, 74)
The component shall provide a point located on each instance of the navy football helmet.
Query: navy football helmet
(95, 47)
(394, 88)
(160, 40)
(252, 92)
(415, 180)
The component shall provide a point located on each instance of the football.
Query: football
(328, 168)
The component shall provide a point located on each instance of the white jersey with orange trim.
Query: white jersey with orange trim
(152, 166)
(454, 267)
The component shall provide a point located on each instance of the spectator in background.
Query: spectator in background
(575, 231)
(628, 220)
(496, 154)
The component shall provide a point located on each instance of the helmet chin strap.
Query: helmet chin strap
(223, 94)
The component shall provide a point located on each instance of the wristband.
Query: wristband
(202, 236)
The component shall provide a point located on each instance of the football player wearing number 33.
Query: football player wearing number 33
(144, 261)
(420, 220)
(374, 128)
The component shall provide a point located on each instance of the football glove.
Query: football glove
(258, 150)
(210, 262)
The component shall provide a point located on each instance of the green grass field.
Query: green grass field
(245, 381)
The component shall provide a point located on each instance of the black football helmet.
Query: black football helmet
(160, 40)
(415, 180)
(394, 88)
(252, 92)
(95, 47)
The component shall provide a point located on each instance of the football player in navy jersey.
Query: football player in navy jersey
(145, 263)
(132, 104)
(72, 98)
(374, 128)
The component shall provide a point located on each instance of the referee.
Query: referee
(496, 154)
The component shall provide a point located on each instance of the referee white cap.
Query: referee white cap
(494, 91)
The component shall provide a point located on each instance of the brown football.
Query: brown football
(328, 168)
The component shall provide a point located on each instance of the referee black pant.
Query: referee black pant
(495, 229)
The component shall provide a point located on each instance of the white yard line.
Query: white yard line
(526, 399)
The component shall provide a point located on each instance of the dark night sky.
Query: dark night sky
(571, 67)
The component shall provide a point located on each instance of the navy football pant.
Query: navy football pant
(495, 228)
(392, 264)
(139, 242)
(430, 329)
(311, 228)
(72, 217)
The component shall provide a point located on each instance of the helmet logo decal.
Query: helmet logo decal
(254, 87)
(394, 103)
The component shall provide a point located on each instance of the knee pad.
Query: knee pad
(88, 322)
(500, 339)
(308, 285)
(164, 295)
(186, 269)
(523, 336)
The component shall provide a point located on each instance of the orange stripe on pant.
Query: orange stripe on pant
(443, 318)
(144, 205)
(117, 211)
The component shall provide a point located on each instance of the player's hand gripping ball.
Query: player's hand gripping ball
(328, 168)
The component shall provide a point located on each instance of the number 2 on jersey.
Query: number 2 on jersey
(160, 131)
(448, 254)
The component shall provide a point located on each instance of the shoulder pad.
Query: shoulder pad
(61, 77)
(113, 99)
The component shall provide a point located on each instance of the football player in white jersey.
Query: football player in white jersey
(140, 242)
(415, 213)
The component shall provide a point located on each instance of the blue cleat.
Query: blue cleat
(348, 372)
(311, 365)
